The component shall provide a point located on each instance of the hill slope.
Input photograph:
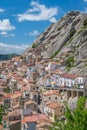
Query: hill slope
(67, 36)
(7, 56)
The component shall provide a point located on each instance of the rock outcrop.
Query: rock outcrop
(67, 36)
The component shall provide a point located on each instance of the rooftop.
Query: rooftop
(35, 118)
(51, 92)
(54, 105)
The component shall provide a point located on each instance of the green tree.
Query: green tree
(76, 120)
(1, 113)
(0, 119)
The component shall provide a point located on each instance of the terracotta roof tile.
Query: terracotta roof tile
(1, 127)
(52, 92)
(9, 95)
(22, 82)
(31, 81)
(68, 76)
(54, 105)
(34, 118)
(16, 58)
(30, 102)
(16, 94)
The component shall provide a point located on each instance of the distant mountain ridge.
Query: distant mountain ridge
(7, 56)
(67, 36)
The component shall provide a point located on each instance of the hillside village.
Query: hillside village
(67, 38)
(34, 91)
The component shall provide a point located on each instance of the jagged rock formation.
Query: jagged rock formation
(67, 36)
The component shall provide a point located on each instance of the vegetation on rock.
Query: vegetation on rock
(54, 54)
(69, 62)
(85, 22)
(34, 46)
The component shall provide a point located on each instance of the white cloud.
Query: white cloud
(85, 10)
(5, 25)
(5, 34)
(53, 20)
(12, 35)
(1, 10)
(34, 33)
(38, 12)
(85, 0)
(9, 48)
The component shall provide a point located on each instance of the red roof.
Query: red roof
(68, 76)
(1, 127)
(54, 105)
(22, 82)
(52, 92)
(34, 118)
(9, 95)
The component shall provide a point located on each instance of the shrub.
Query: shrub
(80, 31)
(69, 62)
(54, 54)
(85, 22)
(34, 46)
(74, 120)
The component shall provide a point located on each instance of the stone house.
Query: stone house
(21, 84)
(35, 96)
(51, 96)
(15, 99)
(7, 101)
(34, 76)
(31, 68)
(52, 66)
(54, 110)
(12, 120)
(31, 105)
(30, 122)
(47, 80)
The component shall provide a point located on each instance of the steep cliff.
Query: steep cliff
(67, 36)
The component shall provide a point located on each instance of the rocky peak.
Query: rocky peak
(69, 35)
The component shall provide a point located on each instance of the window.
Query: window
(80, 80)
(5, 124)
(29, 68)
(55, 98)
(61, 82)
(34, 106)
(60, 110)
(49, 97)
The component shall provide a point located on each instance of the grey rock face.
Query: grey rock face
(67, 36)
